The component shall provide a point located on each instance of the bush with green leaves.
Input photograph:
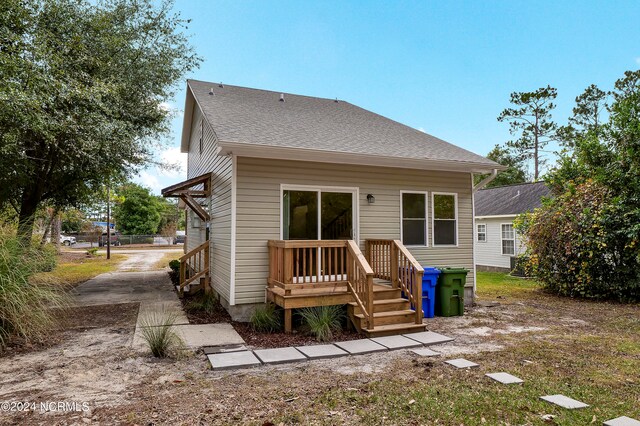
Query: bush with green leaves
(323, 321)
(92, 251)
(174, 265)
(27, 309)
(266, 319)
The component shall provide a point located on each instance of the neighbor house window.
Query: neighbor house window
(508, 239)
(481, 232)
(445, 219)
(414, 218)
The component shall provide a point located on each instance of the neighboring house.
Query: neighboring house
(496, 240)
(310, 201)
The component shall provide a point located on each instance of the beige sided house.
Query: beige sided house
(306, 201)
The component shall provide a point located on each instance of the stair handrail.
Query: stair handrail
(194, 265)
(360, 281)
(391, 260)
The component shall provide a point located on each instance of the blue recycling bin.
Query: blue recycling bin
(429, 281)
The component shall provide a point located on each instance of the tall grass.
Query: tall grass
(157, 329)
(266, 319)
(26, 309)
(323, 321)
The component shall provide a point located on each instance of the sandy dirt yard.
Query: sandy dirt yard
(589, 351)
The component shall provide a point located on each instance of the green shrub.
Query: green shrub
(92, 251)
(157, 329)
(26, 309)
(581, 244)
(323, 321)
(204, 302)
(175, 265)
(266, 319)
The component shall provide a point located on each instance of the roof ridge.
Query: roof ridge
(513, 185)
(278, 92)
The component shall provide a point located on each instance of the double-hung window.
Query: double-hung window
(445, 219)
(481, 232)
(414, 218)
(508, 239)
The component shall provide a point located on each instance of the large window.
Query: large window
(481, 232)
(508, 239)
(317, 215)
(445, 219)
(414, 218)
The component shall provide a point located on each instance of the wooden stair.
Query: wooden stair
(392, 313)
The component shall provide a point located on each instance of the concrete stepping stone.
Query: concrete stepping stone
(622, 421)
(461, 363)
(428, 337)
(321, 351)
(279, 355)
(425, 352)
(504, 378)
(231, 360)
(210, 350)
(199, 335)
(564, 401)
(396, 342)
(360, 346)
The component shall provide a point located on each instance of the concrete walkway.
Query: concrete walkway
(153, 290)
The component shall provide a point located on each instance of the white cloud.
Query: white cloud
(176, 159)
(149, 180)
(422, 130)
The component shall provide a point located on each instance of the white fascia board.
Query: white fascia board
(303, 154)
(497, 216)
(186, 120)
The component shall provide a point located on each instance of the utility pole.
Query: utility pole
(108, 222)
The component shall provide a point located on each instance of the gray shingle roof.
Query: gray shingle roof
(511, 199)
(257, 117)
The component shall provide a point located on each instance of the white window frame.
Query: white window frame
(483, 232)
(355, 191)
(502, 239)
(426, 218)
(433, 218)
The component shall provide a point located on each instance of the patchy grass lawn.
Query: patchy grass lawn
(74, 270)
(164, 261)
(586, 350)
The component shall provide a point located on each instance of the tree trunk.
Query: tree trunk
(26, 218)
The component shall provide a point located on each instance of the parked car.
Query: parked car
(180, 238)
(67, 240)
(115, 239)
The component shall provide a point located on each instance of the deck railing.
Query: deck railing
(308, 264)
(195, 265)
(390, 260)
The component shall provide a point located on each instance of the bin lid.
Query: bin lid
(431, 270)
(453, 270)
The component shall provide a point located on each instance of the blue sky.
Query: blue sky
(445, 67)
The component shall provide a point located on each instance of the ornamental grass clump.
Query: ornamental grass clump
(158, 331)
(266, 319)
(323, 321)
(28, 310)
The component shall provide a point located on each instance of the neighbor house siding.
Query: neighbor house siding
(258, 212)
(219, 203)
(489, 253)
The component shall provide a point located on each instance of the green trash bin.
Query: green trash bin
(450, 292)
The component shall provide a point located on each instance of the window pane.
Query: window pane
(507, 232)
(508, 247)
(336, 216)
(413, 206)
(300, 215)
(444, 232)
(413, 232)
(444, 206)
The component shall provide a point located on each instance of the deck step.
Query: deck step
(393, 329)
(405, 316)
(384, 305)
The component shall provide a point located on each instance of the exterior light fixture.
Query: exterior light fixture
(371, 199)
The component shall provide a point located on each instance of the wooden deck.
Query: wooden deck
(335, 272)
